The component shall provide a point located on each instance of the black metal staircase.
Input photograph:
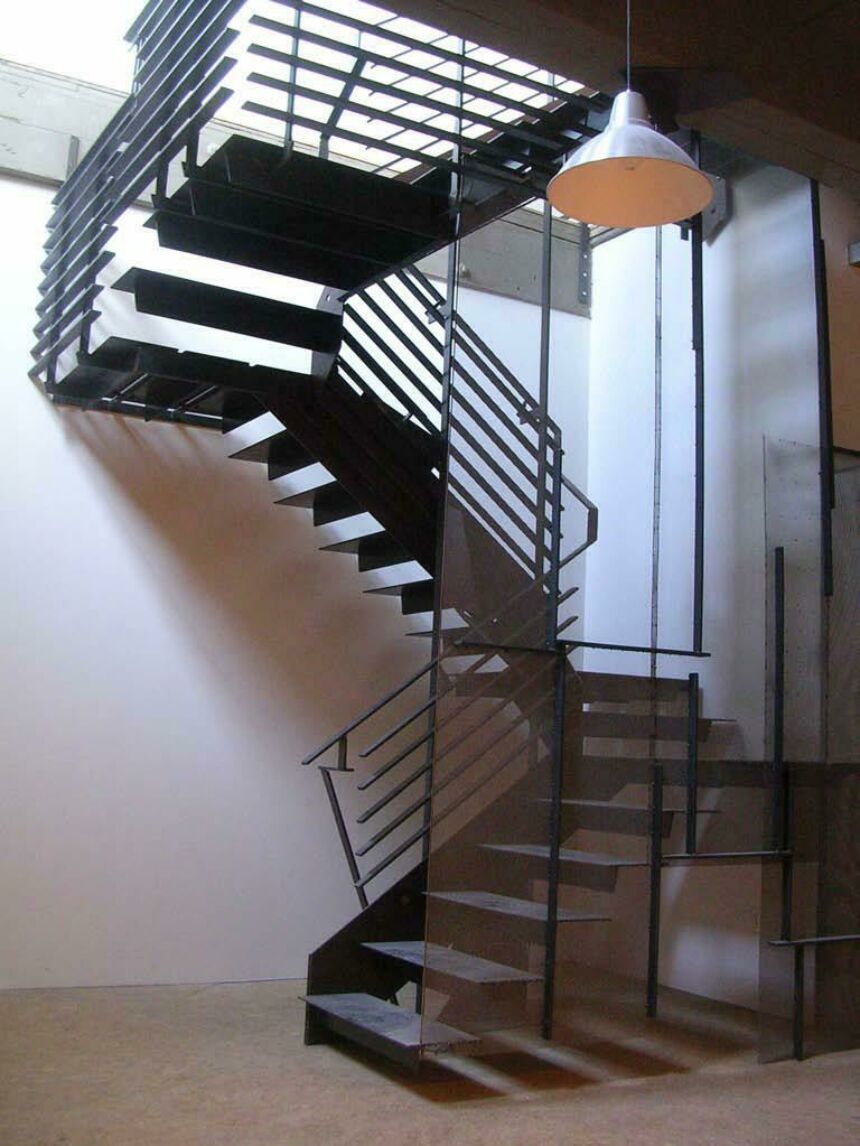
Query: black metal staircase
(475, 807)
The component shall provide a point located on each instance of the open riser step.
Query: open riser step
(299, 215)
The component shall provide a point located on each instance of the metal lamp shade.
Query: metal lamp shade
(630, 175)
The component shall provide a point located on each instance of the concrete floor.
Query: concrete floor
(225, 1066)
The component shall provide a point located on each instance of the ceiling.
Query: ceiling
(792, 65)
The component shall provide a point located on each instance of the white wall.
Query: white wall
(172, 645)
(760, 380)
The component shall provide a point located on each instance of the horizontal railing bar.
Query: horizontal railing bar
(487, 150)
(459, 396)
(813, 940)
(210, 19)
(80, 304)
(351, 727)
(458, 58)
(466, 333)
(426, 330)
(391, 764)
(435, 370)
(491, 463)
(392, 826)
(392, 352)
(305, 63)
(389, 384)
(130, 161)
(635, 649)
(408, 71)
(517, 550)
(397, 790)
(140, 410)
(145, 105)
(391, 857)
(562, 597)
(398, 727)
(421, 158)
(495, 496)
(56, 294)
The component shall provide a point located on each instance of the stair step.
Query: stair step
(340, 190)
(620, 687)
(415, 596)
(217, 239)
(624, 819)
(329, 502)
(383, 1027)
(567, 855)
(457, 964)
(281, 453)
(186, 300)
(633, 726)
(594, 870)
(518, 908)
(376, 550)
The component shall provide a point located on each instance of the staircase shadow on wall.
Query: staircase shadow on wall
(232, 566)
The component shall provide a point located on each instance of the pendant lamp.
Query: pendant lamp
(630, 175)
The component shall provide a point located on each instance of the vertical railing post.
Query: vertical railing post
(655, 867)
(781, 809)
(799, 1000)
(340, 822)
(543, 392)
(697, 248)
(692, 777)
(553, 872)
(293, 73)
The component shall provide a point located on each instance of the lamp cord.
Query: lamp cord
(628, 45)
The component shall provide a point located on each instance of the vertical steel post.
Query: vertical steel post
(799, 999)
(543, 389)
(699, 352)
(343, 834)
(692, 777)
(655, 887)
(557, 779)
(781, 810)
(825, 411)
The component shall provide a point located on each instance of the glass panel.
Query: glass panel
(492, 772)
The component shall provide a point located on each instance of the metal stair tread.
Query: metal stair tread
(566, 855)
(448, 961)
(519, 908)
(357, 1014)
(395, 590)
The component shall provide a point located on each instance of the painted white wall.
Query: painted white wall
(172, 645)
(761, 380)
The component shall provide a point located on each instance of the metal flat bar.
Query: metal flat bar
(636, 649)
(394, 792)
(410, 71)
(385, 380)
(426, 331)
(440, 108)
(398, 331)
(392, 764)
(410, 680)
(554, 861)
(376, 30)
(692, 767)
(482, 394)
(496, 496)
(424, 159)
(498, 470)
(398, 727)
(487, 150)
(825, 399)
(343, 834)
(814, 940)
(480, 511)
(654, 890)
(698, 295)
(798, 1007)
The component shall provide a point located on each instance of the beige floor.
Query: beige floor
(225, 1066)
